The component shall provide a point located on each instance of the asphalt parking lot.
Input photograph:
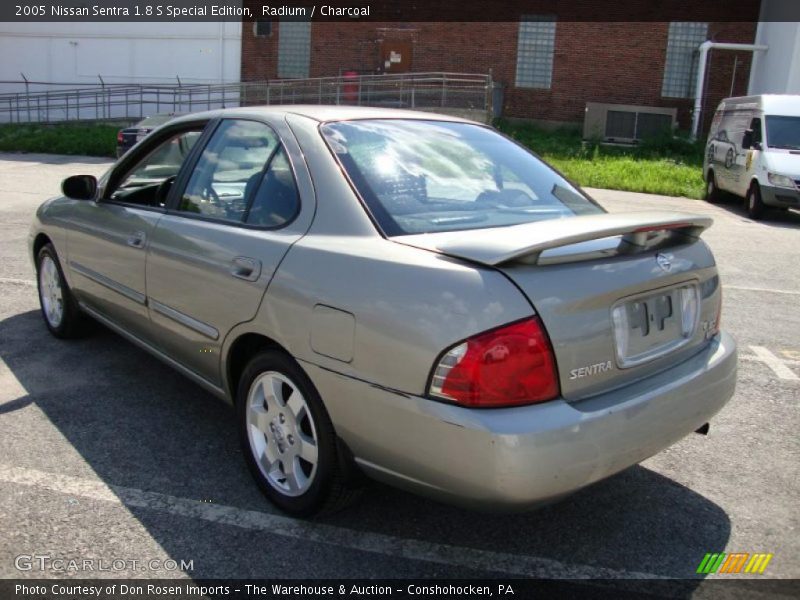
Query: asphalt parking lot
(107, 454)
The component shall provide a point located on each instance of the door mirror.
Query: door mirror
(747, 140)
(80, 187)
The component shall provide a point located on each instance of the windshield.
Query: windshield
(428, 176)
(783, 132)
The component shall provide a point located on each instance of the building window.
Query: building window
(262, 28)
(294, 49)
(535, 48)
(680, 68)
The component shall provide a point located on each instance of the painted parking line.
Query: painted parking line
(11, 387)
(778, 365)
(12, 281)
(759, 289)
(377, 543)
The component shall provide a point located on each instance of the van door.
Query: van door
(752, 157)
(729, 159)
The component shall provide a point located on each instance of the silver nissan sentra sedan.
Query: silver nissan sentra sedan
(408, 295)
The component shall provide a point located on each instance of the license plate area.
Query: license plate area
(648, 326)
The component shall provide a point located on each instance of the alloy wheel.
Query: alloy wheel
(282, 434)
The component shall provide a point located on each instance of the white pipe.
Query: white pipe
(701, 73)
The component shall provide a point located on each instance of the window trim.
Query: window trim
(176, 192)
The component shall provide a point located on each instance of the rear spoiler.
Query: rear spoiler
(525, 243)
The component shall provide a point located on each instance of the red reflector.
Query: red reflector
(504, 367)
(119, 137)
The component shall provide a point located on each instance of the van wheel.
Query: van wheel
(755, 206)
(713, 193)
(288, 439)
(60, 310)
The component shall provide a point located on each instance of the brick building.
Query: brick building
(550, 65)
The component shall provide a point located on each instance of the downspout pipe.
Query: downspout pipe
(701, 74)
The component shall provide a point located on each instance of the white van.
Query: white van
(753, 151)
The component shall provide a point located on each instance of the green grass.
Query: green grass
(80, 139)
(667, 165)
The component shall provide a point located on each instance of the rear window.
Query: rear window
(419, 176)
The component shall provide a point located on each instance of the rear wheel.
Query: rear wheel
(59, 308)
(754, 205)
(712, 191)
(287, 438)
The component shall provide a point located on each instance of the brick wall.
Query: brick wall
(614, 62)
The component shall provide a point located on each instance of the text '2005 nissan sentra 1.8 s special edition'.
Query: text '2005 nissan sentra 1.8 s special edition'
(407, 295)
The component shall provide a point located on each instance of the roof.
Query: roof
(776, 104)
(328, 112)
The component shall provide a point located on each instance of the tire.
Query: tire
(713, 193)
(288, 440)
(753, 204)
(60, 310)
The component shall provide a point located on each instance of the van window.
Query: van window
(783, 132)
(755, 125)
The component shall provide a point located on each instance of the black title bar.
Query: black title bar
(392, 10)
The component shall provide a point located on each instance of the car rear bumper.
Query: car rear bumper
(516, 458)
(781, 197)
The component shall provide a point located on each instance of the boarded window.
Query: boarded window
(680, 68)
(535, 47)
(294, 49)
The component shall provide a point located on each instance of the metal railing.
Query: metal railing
(65, 102)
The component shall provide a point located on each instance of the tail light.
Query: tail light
(119, 137)
(508, 366)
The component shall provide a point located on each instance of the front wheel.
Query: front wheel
(59, 308)
(287, 438)
(755, 205)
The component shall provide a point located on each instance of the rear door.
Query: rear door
(231, 220)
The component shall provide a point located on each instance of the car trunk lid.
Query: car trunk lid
(614, 291)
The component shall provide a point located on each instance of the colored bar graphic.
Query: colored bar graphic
(734, 563)
(758, 563)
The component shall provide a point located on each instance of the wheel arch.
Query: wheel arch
(39, 242)
(243, 347)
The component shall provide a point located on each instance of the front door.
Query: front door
(213, 254)
(107, 239)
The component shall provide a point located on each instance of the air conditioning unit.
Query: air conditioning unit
(625, 123)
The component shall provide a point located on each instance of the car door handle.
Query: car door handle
(137, 239)
(245, 268)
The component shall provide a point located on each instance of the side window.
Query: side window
(755, 125)
(148, 182)
(228, 169)
(275, 200)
